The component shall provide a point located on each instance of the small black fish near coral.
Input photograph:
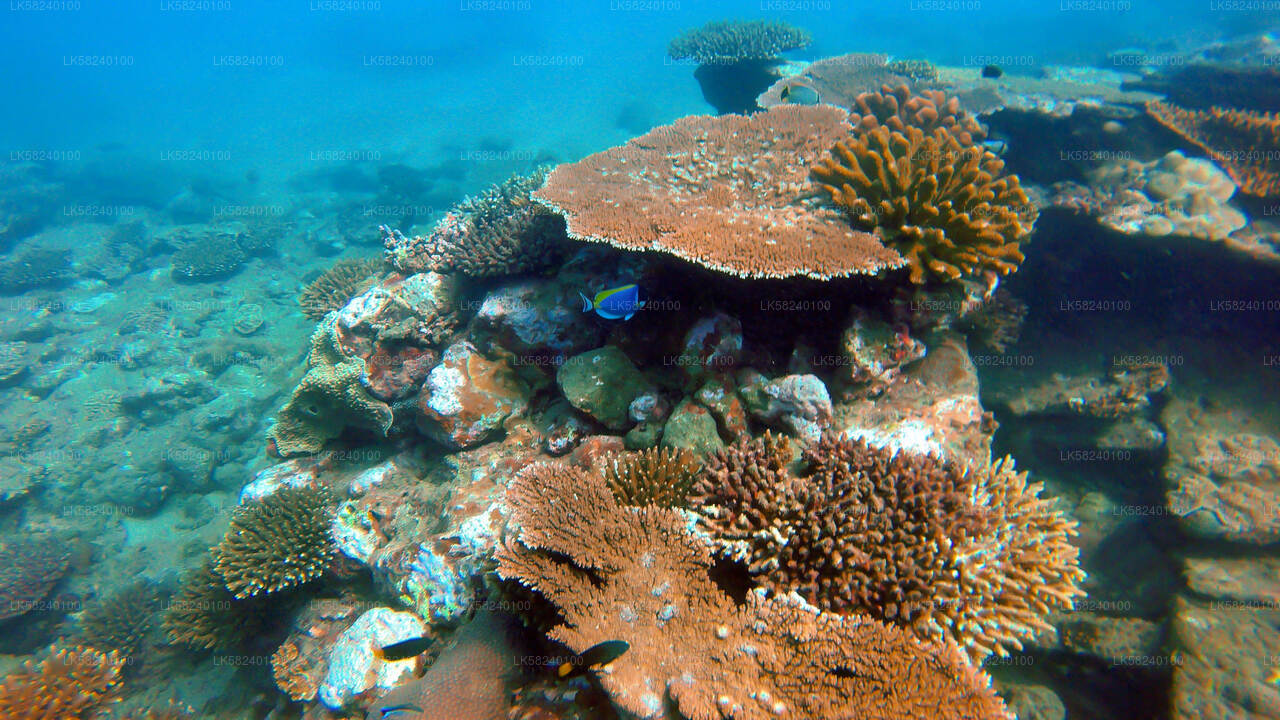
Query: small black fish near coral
(593, 658)
(991, 71)
(403, 650)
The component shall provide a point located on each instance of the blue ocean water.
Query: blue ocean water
(192, 259)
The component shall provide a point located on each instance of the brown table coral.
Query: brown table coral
(1245, 143)
(729, 193)
(639, 575)
(838, 80)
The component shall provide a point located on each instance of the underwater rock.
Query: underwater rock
(1124, 391)
(602, 383)
(13, 362)
(353, 670)
(1225, 659)
(713, 344)
(720, 396)
(1243, 580)
(1034, 702)
(301, 662)
(800, 403)
(292, 473)
(466, 398)
(535, 320)
(564, 428)
(874, 353)
(164, 398)
(1137, 434)
(691, 427)
(1113, 640)
(419, 309)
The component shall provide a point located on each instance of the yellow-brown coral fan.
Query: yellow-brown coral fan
(71, 683)
(728, 193)
(277, 543)
(656, 476)
(969, 555)
(898, 108)
(937, 201)
(337, 285)
(1245, 143)
(120, 621)
(638, 574)
(206, 616)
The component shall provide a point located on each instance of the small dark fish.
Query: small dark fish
(403, 650)
(593, 658)
(800, 95)
(991, 71)
(390, 712)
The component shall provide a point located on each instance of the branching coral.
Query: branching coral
(728, 193)
(205, 615)
(656, 476)
(499, 232)
(639, 575)
(898, 108)
(120, 621)
(971, 555)
(29, 568)
(1245, 143)
(941, 203)
(71, 683)
(277, 543)
(337, 285)
(723, 42)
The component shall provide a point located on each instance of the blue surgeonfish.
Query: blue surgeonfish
(615, 303)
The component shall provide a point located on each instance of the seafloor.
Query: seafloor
(247, 445)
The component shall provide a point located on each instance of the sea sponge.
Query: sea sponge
(337, 285)
(29, 568)
(656, 476)
(69, 684)
(724, 42)
(120, 621)
(277, 543)
(501, 231)
(940, 203)
(205, 615)
(329, 398)
(971, 555)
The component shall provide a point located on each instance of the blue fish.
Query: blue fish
(616, 303)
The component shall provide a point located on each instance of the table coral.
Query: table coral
(728, 193)
(1246, 143)
(839, 80)
(69, 684)
(940, 203)
(726, 42)
(279, 542)
(640, 575)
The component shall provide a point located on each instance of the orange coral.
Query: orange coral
(290, 671)
(897, 109)
(69, 684)
(728, 193)
(1245, 143)
(640, 575)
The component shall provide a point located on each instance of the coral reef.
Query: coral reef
(654, 476)
(279, 542)
(727, 193)
(1245, 143)
(838, 80)
(498, 232)
(337, 285)
(639, 575)
(29, 568)
(205, 615)
(208, 257)
(942, 204)
(898, 108)
(466, 398)
(1058, 91)
(727, 42)
(120, 621)
(34, 267)
(997, 323)
(1127, 390)
(917, 70)
(968, 554)
(70, 684)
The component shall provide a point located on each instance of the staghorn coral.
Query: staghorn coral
(279, 542)
(639, 575)
(968, 555)
(897, 108)
(498, 232)
(727, 193)
(205, 615)
(29, 568)
(656, 476)
(70, 683)
(733, 41)
(337, 285)
(1245, 143)
(120, 621)
(938, 202)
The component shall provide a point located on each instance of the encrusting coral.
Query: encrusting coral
(70, 684)
(638, 574)
(498, 232)
(970, 555)
(939, 202)
(655, 476)
(728, 193)
(1245, 143)
(723, 42)
(205, 615)
(336, 286)
(277, 543)
(120, 621)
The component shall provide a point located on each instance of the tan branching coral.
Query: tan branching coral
(638, 574)
(277, 543)
(734, 41)
(656, 476)
(70, 684)
(121, 621)
(292, 673)
(728, 193)
(940, 203)
(205, 615)
(337, 285)
(29, 568)
(968, 555)
(1245, 143)
(898, 108)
